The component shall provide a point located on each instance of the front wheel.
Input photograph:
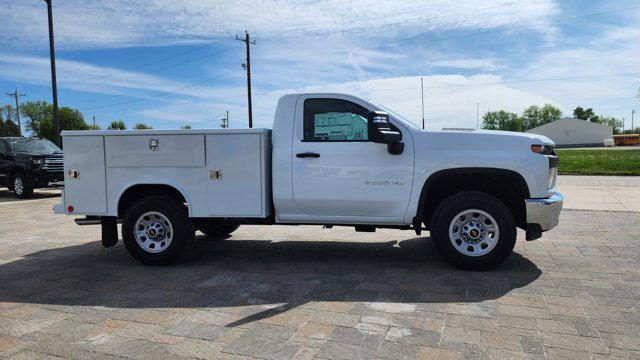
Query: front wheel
(156, 230)
(22, 188)
(473, 230)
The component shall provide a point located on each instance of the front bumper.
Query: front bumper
(46, 178)
(544, 212)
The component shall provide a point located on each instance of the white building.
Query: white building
(570, 132)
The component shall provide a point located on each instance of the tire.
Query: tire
(216, 230)
(22, 188)
(156, 230)
(473, 231)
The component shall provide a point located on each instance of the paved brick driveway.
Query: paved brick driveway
(304, 292)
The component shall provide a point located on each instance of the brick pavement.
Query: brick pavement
(304, 292)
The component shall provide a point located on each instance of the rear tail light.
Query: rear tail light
(70, 208)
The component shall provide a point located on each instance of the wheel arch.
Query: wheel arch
(136, 191)
(15, 168)
(507, 185)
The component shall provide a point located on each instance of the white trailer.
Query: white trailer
(331, 159)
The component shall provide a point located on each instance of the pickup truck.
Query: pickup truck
(29, 163)
(330, 160)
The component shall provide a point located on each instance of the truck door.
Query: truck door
(338, 173)
(4, 152)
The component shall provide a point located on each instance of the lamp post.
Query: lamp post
(54, 86)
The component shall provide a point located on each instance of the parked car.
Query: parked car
(331, 159)
(29, 163)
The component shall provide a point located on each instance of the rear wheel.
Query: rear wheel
(22, 188)
(473, 230)
(156, 230)
(217, 230)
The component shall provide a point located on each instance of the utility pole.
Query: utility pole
(94, 122)
(422, 93)
(247, 66)
(16, 95)
(633, 112)
(225, 121)
(54, 86)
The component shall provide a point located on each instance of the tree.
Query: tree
(117, 125)
(588, 114)
(502, 120)
(39, 116)
(534, 115)
(142, 126)
(7, 125)
(185, 127)
(613, 122)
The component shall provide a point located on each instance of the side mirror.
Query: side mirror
(380, 131)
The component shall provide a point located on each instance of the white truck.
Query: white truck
(331, 159)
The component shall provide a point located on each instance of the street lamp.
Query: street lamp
(52, 54)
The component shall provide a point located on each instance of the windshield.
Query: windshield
(34, 145)
(399, 117)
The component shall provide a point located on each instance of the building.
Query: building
(570, 132)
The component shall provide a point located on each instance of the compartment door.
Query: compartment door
(87, 193)
(238, 190)
(154, 150)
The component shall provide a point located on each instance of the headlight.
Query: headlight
(542, 149)
(36, 163)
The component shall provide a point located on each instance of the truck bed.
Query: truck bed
(219, 172)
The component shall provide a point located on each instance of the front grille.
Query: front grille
(53, 164)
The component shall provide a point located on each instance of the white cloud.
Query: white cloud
(584, 67)
(488, 64)
(450, 100)
(120, 23)
(81, 76)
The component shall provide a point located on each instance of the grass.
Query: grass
(599, 162)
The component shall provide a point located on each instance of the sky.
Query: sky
(170, 63)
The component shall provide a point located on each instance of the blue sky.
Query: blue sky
(171, 63)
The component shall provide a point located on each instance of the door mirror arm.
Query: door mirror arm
(395, 148)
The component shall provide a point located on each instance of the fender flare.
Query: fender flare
(177, 187)
(464, 171)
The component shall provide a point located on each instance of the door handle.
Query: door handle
(308, 155)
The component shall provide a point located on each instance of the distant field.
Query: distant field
(599, 162)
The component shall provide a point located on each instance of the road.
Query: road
(304, 292)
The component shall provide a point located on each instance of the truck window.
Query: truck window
(334, 120)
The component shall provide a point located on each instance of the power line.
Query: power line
(156, 61)
(513, 81)
(191, 60)
(214, 117)
(162, 93)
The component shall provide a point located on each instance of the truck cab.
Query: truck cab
(331, 159)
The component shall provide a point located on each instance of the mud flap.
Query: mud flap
(109, 231)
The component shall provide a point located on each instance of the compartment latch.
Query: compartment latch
(74, 174)
(215, 174)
